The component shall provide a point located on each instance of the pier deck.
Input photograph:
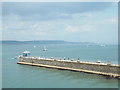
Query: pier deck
(87, 67)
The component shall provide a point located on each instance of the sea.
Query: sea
(23, 76)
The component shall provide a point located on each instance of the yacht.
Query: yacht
(44, 49)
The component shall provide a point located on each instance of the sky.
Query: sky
(69, 21)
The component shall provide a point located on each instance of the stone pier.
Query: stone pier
(111, 70)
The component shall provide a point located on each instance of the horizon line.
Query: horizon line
(61, 40)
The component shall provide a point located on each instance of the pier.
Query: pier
(105, 69)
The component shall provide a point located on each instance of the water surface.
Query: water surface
(23, 76)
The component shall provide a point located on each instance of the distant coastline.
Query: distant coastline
(45, 42)
(50, 42)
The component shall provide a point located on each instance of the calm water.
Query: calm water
(23, 76)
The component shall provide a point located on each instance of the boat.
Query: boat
(99, 61)
(44, 49)
(26, 53)
(87, 46)
(34, 46)
(102, 45)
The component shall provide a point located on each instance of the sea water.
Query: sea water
(24, 76)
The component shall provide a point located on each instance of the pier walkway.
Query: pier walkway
(41, 62)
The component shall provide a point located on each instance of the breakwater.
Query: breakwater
(105, 69)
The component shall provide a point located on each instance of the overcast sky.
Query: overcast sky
(80, 21)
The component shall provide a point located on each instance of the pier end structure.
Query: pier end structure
(111, 70)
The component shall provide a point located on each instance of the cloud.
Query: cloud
(81, 28)
(50, 11)
(72, 28)
(110, 20)
(113, 20)
(83, 21)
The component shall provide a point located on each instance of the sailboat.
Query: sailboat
(34, 46)
(87, 46)
(102, 45)
(44, 49)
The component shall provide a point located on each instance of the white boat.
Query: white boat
(99, 61)
(15, 57)
(26, 53)
(44, 49)
(87, 46)
(34, 46)
(102, 45)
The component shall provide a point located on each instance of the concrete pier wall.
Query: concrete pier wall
(76, 65)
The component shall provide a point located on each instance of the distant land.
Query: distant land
(44, 42)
